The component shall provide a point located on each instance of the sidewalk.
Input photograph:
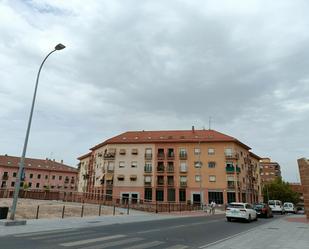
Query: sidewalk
(287, 233)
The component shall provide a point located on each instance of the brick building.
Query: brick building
(39, 174)
(172, 166)
(269, 170)
(303, 165)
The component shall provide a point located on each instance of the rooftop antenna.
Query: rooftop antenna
(209, 127)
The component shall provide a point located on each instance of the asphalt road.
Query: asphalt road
(177, 233)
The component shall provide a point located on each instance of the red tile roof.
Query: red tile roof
(84, 156)
(176, 136)
(31, 163)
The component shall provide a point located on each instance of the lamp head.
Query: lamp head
(59, 47)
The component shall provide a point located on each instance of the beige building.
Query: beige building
(269, 170)
(173, 166)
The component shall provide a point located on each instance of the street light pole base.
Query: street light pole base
(12, 222)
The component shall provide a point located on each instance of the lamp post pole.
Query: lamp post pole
(22, 159)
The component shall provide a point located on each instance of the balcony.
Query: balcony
(160, 182)
(160, 156)
(109, 155)
(170, 154)
(183, 184)
(232, 156)
(232, 169)
(230, 185)
(148, 156)
(170, 169)
(147, 169)
(170, 181)
(5, 177)
(183, 155)
(160, 169)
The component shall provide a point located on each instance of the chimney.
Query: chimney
(192, 128)
(61, 161)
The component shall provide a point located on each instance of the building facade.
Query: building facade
(269, 170)
(303, 165)
(172, 166)
(39, 174)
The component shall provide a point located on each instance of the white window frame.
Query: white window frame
(212, 178)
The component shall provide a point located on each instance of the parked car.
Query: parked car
(240, 211)
(289, 207)
(263, 210)
(276, 206)
(300, 210)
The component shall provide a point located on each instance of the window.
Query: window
(30, 184)
(134, 164)
(171, 194)
(159, 195)
(183, 167)
(197, 151)
(148, 167)
(37, 185)
(120, 178)
(12, 184)
(211, 151)
(217, 197)
(197, 178)
(212, 178)
(46, 177)
(31, 176)
(134, 151)
(148, 151)
(53, 177)
(110, 166)
(39, 176)
(14, 174)
(197, 164)
(228, 152)
(229, 164)
(148, 194)
(183, 179)
(121, 164)
(182, 153)
(211, 164)
(122, 151)
(60, 178)
(133, 178)
(182, 195)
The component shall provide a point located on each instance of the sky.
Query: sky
(155, 65)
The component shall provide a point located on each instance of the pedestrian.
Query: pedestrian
(212, 207)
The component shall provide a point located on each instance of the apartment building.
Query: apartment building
(39, 174)
(172, 166)
(269, 170)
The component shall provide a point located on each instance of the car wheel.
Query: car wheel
(229, 219)
(256, 218)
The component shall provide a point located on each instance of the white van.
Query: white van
(276, 206)
(289, 207)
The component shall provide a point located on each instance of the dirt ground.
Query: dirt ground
(27, 209)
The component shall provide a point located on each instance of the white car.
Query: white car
(289, 207)
(276, 206)
(240, 211)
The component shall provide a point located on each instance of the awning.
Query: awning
(109, 177)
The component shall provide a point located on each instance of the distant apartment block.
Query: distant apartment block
(172, 166)
(39, 174)
(303, 165)
(269, 170)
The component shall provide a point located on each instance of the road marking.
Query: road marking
(177, 247)
(114, 243)
(145, 245)
(55, 236)
(226, 238)
(43, 233)
(150, 231)
(88, 241)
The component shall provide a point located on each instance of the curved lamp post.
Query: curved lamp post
(22, 159)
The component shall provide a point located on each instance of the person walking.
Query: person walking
(212, 207)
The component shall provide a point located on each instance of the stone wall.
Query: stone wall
(303, 165)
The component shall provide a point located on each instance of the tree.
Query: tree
(280, 190)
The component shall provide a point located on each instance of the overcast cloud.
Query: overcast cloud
(134, 65)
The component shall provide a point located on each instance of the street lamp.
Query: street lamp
(22, 159)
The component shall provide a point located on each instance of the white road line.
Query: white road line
(43, 233)
(145, 245)
(88, 241)
(114, 243)
(54, 236)
(150, 231)
(226, 238)
(177, 247)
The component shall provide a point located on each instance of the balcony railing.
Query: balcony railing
(170, 169)
(232, 156)
(232, 169)
(183, 156)
(147, 169)
(160, 156)
(170, 156)
(170, 182)
(147, 183)
(160, 183)
(160, 169)
(148, 156)
(183, 184)
(231, 185)
(109, 155)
